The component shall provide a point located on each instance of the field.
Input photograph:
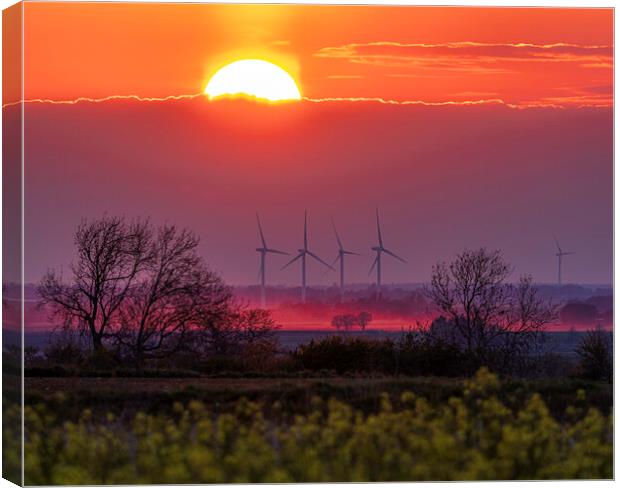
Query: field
(154, 394)
(181, 430)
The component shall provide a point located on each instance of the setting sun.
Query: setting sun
(254, 78)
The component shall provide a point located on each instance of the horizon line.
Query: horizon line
(378, 100)
(362, 283)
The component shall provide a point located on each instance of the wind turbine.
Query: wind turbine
(264, 250)
(302, 255)
(560, 254)
(380, 249)
(341, 254)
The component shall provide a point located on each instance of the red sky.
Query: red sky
(444, 178)
(533, 161)
(520, 55)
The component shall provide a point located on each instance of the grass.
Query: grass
(121, 395)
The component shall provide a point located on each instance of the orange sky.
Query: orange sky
(522, 56)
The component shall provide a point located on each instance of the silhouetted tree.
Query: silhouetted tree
(253, 325)
(226, 328)
(347, 321)
(526, 319)
(595, 355)
(111, 253)
(488, 313)
(363, 319)
(172, 292)
(145, 293)
(344, 321)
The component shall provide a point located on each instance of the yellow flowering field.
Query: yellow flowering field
(474, 436)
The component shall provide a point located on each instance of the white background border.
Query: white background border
(566, 3)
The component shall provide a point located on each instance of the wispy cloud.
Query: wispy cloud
(548, 102)
(108, 98)
(385, 101)
(578, 101)
(466, 56)
(583, 100)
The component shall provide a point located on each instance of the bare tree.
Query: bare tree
(344, 321)
(214, 328)
(347, 321)
(111, 253)
(254, 325)
(173, 292)
(232, 328)
(528, 316)
(148, 294)
(487, 312)
(363, 319)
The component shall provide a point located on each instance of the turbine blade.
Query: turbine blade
(374, 263)
(260, 231)
(379, 230)
(275, 251)
(344, 251)
(394, 255)
(292, 261)
(305, 229)
(319, 259)
(557, 244)
(331, 268)
(337, 236)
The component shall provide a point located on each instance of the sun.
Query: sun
(254, 78)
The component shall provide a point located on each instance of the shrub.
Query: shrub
(595, 356)
(346, 354)
(65, 350)
(424, 354)
(413, 354)
(260, 356)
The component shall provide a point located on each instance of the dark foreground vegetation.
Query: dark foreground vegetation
(413, 354)
(125, 396)
(478, 429)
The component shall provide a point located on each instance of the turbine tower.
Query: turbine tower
(380, 249)
(264, 250)
(341, 254)
(560, 254)
(302, 255)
